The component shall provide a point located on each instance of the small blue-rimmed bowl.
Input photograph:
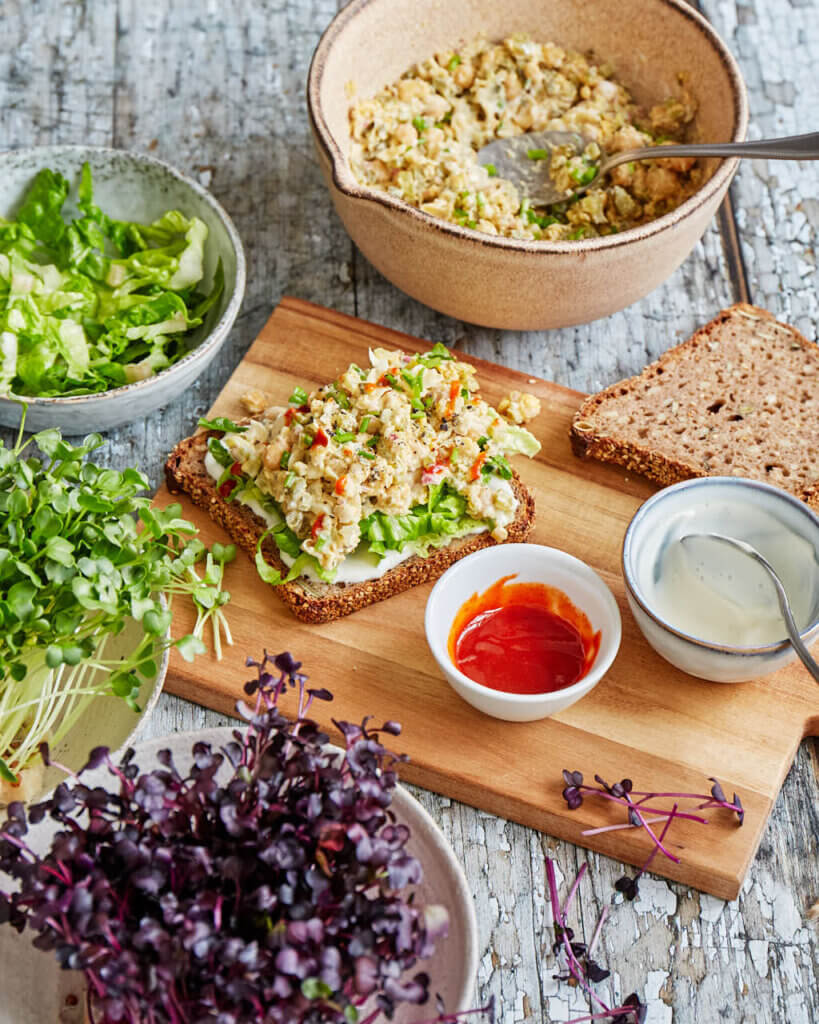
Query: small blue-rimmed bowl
(783, 528)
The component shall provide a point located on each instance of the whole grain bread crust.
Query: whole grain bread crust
(314, 601)
(589, 441)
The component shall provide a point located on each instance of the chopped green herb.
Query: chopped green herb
(308, 438)
(393, 381)
(454, 61)
(479, 199)
(464, 392)
(459, 213)
(365, 423)
(542, 222)
(491, 170)
(341, 397)
(584, 175)
(437, 354)
(284, 460)
(453, 455)
(538, 154)
(222, 423)
(472, 224)
(290, 480)
(483, 442)
(419, 124)
(220, 452)
(319, 543)
(299, 397)
(418, 415)
(497, 465)
(373, 442)
(366, 454)
(343, 436)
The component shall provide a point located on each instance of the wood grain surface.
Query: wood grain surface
(218, 91)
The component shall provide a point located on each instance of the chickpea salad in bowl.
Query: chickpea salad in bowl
(386, 462)
(419, 137)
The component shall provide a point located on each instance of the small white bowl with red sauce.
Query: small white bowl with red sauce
(522, 631)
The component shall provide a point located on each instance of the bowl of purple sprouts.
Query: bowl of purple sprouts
(235, 875)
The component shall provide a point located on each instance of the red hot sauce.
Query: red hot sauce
(522, 638)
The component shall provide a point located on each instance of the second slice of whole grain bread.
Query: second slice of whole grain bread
(311, 600)
(740, 397)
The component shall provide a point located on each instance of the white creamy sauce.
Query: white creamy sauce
(714, 592)
(357, 567)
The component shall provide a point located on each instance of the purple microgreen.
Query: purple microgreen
(580, 970)
(638, 808)
(629, 887)
(269, 881)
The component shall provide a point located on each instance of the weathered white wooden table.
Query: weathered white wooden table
(217, 89)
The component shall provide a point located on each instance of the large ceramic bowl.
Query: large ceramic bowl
(504, 282)
(776, 523)
(131, 186)
(35, 990)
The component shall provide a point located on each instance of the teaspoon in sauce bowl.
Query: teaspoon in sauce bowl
(696, 543)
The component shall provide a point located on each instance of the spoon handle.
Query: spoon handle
(793, 631)
(794, 147)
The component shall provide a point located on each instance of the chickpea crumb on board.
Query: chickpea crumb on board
(255, 401)
(519, 407)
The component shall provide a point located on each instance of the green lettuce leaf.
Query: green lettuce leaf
(93, 303)
(517, 440)
(443, 516)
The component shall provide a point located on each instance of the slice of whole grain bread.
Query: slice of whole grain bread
(310, 600)
(740, 397)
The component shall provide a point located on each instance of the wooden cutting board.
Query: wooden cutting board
(645, 720)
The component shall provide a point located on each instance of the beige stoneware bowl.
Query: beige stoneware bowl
(505, 282)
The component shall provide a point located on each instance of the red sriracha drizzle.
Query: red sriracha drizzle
(522, 638)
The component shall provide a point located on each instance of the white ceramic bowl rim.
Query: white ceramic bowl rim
(599, 667)
(627, 559)
(346, 183)
(222, 324)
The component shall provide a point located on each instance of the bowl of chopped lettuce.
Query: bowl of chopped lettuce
(120, 279)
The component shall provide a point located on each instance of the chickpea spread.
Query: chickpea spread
(418, 140)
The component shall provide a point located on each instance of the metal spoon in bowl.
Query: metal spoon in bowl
(695, 541)
(524, 159)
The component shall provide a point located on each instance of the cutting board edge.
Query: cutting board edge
(313, 309)
(724, 884)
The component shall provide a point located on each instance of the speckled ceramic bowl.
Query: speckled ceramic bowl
(131, 186)
(107, 722)
(689, 507)
(35, 989)
(504, 282)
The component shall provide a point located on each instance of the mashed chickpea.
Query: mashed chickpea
(418, 140)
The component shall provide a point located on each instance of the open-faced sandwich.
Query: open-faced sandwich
(368, 486)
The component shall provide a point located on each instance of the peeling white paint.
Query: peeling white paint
(711, 908)
(655, 897)
(758, 948)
